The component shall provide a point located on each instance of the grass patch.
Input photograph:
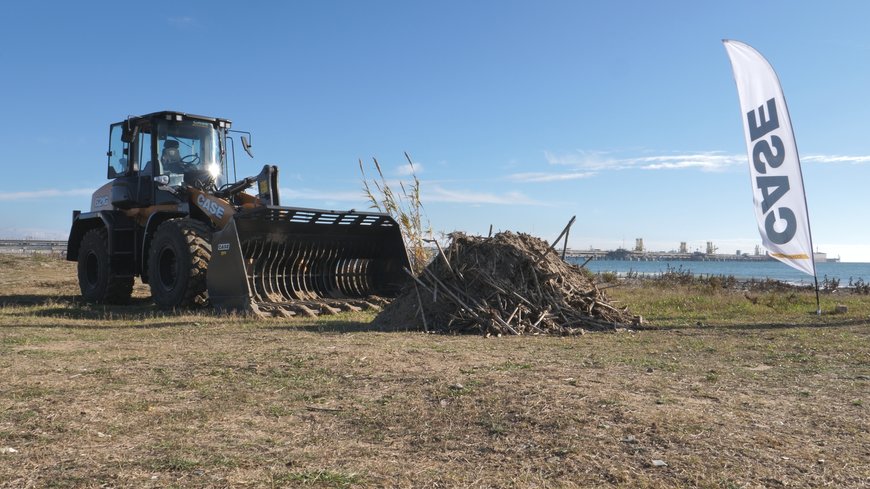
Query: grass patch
(318, 478)
(172, 463)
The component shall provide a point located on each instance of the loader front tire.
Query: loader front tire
(96, 280)
(178, 263)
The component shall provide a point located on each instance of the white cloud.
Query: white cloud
(408, 170)
(537, 177)
(855, 160)
(704, 161)
(599, 161)
(590, 160)
(45, 194)
(712, 161)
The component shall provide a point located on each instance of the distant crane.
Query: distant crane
(711, 249)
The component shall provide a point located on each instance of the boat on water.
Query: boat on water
(820, 257)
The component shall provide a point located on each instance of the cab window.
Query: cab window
(189, 150)
(146, 166)
(119, 163)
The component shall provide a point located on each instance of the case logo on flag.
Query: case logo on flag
(774, 166)
(771, 153)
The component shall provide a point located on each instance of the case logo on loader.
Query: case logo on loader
(210, 206)
(223, 247)
(102, 201)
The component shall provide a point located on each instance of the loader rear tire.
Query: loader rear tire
(178, 263)
(96, 280)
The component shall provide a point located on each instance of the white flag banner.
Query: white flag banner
(777, 183)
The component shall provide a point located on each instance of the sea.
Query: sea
(741, 270)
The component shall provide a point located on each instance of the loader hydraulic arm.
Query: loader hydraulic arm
(235, 188)
(267, 186)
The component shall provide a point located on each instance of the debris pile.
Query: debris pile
(510, 283)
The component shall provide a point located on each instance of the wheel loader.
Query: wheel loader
(172, 216)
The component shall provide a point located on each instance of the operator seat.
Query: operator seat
(170, 158)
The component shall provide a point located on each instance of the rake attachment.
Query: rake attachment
(286, 261)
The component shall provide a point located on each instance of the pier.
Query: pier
(633, 255)
(630, 255)
(30, 246)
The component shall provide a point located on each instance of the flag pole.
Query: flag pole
(807, 212)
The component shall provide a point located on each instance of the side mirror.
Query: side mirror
(128, 136)
(247, 146)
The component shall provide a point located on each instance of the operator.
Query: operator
(170, 158)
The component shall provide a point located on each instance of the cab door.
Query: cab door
(119, 161)
(132, 187)
(145, 168)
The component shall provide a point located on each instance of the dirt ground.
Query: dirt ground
(132, 397)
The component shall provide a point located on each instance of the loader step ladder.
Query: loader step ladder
(122, 246)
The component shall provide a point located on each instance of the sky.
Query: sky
(517, 115)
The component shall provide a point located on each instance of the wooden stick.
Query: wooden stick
(422, 312)
(441, 252)
(450, 293)
(563, 233)
(513, 313)
(495, 316)
(567, 231)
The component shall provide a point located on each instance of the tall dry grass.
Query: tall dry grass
(405, 206)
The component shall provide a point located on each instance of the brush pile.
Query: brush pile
(509, 284)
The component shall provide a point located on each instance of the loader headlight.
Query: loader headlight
(215, 170)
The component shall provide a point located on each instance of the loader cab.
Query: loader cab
(152, 155)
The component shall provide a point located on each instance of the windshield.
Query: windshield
(190, 147)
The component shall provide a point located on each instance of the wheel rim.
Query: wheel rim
(92, 269)
(167, 266)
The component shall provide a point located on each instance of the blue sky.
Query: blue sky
(517, 114)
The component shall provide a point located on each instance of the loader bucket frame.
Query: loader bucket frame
(280, 255)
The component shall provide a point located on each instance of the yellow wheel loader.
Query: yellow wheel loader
(171, 216)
